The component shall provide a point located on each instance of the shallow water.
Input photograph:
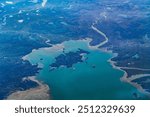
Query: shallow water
(82, 81)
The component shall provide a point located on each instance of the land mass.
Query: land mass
(41, 92)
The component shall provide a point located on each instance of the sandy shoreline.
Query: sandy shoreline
(40, 92)
(124, 78)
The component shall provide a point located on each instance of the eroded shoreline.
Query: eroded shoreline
(41, 92)
(125, 77)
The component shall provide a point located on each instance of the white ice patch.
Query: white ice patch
(44, 3)
(20, 21)
(9, 2)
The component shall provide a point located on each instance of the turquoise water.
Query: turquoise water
(82, 81)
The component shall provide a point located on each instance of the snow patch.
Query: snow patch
(9, 2)
(20, 21)
(44, 3)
